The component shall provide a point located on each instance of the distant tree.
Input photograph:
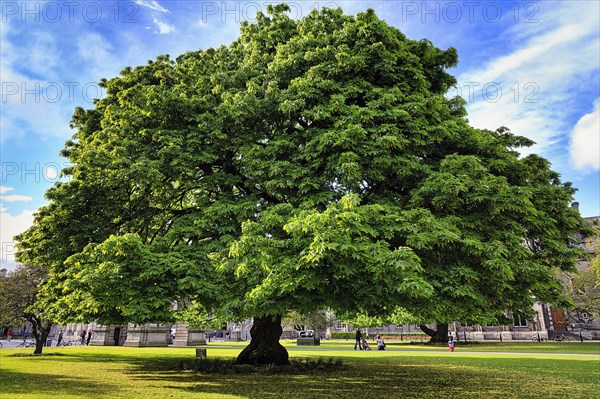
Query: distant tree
(437, 333)
(584, 291)
(317, 321)
(584, 287)
(363, 321)
(18, 301)
(596, 262)
(195, 316)
(398, 317)
(595, 266)
(312, 164)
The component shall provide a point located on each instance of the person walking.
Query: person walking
(358, 337)
(82, 336)
(9, 335)
(25, 335)
(60, 337)
(451, 344)
(89, 337)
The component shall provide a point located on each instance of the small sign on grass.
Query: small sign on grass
(200, 353)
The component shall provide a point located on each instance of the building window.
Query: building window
(519, 321)
(339, 324)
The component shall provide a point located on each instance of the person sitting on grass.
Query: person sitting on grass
(380, 343)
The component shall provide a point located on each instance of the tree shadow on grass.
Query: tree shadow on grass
(356, 381)
(151, 364)
(51, 385)
(15, 384)
(367, 380)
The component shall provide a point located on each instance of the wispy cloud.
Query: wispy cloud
(163, 27)
(151, 4)
(585, 140)
(534, 87)
(38, 92)
(9, 198)
(15, 198)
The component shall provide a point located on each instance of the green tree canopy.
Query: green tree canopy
(584, 290)
(18, 302)
(318, 321)
(310, 164)
(584, 286)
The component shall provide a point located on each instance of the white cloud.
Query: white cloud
(30, 104)
(585, 140)
(540, 77)
(538, 48)
(151, 4)
(10, 226)
(42, 55)
(51, 119)
(39, 55)
(99, 59)
(15, 198)
(163, 27)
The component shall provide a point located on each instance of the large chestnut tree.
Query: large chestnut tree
(310, 164)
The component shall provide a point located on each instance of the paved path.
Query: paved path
(420, 351)
(14, 343)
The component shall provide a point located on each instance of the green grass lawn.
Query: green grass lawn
(547, 370)
(589, 347)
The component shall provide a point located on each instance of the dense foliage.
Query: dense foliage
(310, 164)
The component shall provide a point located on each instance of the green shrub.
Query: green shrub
(228, 366)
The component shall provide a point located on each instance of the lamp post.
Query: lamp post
(573, 329)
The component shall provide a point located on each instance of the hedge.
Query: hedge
(403, 337)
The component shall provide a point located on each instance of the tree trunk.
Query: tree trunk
(39, 345)
(40, 331)
(40, 341)
(439, 335)
(264, 348)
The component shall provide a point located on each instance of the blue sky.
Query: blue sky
(531, 66)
